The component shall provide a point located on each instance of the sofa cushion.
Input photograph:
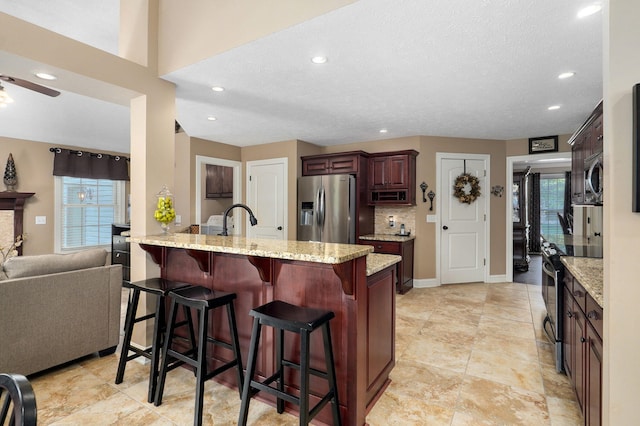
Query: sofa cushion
(29, 266)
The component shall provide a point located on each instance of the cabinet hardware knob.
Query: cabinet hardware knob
(379, 247)
(582, 340)
(117, 254)
(578, 293)
(592, 315)
(569, 314)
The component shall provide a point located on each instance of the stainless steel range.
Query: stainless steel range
(552, 276)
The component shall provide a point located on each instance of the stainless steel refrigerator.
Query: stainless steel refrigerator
(327, 208)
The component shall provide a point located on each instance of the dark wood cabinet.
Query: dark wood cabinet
(219, 181)
(333, 164)
(520, 223)
(582, 347)
(392, 178)
(585, 142)
(120, 253)
(404, 249)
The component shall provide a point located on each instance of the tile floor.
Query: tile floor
(470, 354)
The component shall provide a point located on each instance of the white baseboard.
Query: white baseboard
(497, 278)
(425, 283)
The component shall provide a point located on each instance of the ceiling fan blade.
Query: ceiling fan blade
(29, 85)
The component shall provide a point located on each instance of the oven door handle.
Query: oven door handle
(551, 272)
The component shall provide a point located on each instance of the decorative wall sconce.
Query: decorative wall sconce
(431, 196)
(424, 187)
(85, 193)
(497, 190)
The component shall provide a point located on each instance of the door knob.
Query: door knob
(279, 228)
(445, 227)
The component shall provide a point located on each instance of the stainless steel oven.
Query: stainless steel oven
(552, 276)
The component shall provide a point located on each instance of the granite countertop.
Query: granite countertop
(588, 271)
(277, 249)
(387, 237)
(376, 262)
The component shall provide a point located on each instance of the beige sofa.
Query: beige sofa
(55, 308)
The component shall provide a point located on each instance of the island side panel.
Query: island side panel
(316, 285)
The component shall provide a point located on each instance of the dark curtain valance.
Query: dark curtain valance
(83, 164)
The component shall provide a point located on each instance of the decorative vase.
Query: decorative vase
(10, 175)
(164, 213)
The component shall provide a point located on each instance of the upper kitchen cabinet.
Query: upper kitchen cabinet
(353, 163)
(219, 182)
(392, 178)
(585, 143)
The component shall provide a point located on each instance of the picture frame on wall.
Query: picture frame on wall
(543, 144)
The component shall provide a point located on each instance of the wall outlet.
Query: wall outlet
(178, 219)
(431, 218)
(41, 220)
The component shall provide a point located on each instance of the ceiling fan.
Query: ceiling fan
(29, 85)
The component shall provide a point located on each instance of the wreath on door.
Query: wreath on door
(466, 188)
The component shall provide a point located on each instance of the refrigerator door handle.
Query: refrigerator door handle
(321, 208)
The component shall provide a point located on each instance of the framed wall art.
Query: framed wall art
(543, 144)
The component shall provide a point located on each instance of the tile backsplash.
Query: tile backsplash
(406, 215)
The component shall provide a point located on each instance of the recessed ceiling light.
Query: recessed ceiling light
(211, 118)
(553, 107)
(319, 59)
(383, 130)
(589, 10)
(217, 89)
(566, 75)
(46, 76)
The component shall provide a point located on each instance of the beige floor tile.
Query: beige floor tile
(391, 410)
(486, 402)
(564, 412)
(506, 368)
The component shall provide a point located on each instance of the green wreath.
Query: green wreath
(466, 194)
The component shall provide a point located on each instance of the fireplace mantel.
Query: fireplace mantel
(15, 201)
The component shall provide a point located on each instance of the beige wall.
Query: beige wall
(34, 165)
(216, 26)
(622, 226)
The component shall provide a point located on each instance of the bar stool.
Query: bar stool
(284, 316)
(158, 287)
(203, 300)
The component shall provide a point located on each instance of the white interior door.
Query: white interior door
(266, 196)
(463, 256)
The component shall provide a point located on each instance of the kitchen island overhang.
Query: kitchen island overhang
(318, 275)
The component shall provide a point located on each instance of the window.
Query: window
(551, 203)
(85, 210)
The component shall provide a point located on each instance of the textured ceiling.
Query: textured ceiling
(458, 68)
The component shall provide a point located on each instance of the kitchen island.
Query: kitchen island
(317, 275)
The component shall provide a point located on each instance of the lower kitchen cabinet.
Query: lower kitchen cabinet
(582, 344)
(401, 248)
(120, 249)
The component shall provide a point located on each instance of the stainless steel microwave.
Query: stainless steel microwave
(593, 176)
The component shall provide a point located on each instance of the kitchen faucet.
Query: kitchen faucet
(252, 218)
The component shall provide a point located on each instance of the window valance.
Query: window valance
(84, 164)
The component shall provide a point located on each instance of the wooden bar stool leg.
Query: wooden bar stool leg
(159, 324)
(251, 367)
(201, 364)
(132, 306)
(304, 377)
(331, 374)
(235, 344)
(173, 312)
(280, 367)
